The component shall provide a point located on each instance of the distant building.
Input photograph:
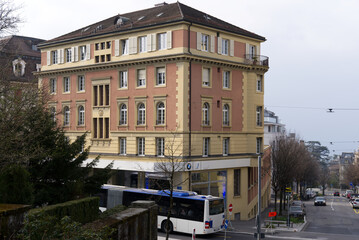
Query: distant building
(345, 160)
(272, 127)
(19, 58)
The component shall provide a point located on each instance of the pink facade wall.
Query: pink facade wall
(216, 92)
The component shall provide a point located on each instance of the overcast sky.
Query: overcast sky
(312, 48)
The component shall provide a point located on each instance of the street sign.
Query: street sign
(226, 224)
(230, 208)
(288, 189)
(272, 214)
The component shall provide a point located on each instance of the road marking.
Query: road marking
(331, 205)
(356, 211)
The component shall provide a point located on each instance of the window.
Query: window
(206, 77)
(142, 42)
(225, 147)
(101, 95)
(161, 76)
(237, 182)
(101, 128)
(140, 146)
(225, 112)
(259, 146)
(124, 44)
(225, 46)
(259, 83)
(205, 147)
(108, 57)
(141, 114)
(204, 42)
(123, 79)
(226, 79)
(102, 45)
(123, 114)
(68, 54)
(53, 113)
(205, 114)
(108, 45)
(162, 41)
(81, 83)
(54, 57)
(123, 143)
(160, 113)
(97, 46)
(66, 85)
(81, 115)
(52, 85)
(259, 116)
(82, 52)
(66, 116)
(160, 147)
(141, 78)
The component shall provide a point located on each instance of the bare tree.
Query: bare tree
(170, 164)
(9, 19)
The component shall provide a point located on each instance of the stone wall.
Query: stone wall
(11, 219)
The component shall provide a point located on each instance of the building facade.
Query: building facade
(170, 77)
(273, 128)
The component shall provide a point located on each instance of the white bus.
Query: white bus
(190, 211)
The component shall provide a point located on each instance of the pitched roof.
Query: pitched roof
(158, 15)
(20, 45)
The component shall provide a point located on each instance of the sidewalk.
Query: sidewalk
(249, 226)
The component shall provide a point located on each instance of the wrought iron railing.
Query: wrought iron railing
(256, 59)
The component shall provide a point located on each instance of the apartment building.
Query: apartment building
(166, 76)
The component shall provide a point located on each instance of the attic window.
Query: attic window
(140, 18)
(99, 27)
(160, 14)
(84, 30)
(207, 17)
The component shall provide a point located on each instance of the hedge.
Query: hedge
(82, 210)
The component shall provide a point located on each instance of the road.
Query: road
(337, 220)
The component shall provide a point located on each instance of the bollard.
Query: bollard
(194, 234)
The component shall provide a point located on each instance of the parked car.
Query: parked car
(320, 201)
(355, 203)
(353, 196)
(348, 193)
(336, 194)
(296, 211)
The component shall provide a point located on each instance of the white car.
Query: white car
(320, 201)
(355, 203)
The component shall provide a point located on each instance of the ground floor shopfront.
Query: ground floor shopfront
(233, 179)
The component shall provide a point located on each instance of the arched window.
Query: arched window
(160, 113)
(225, 115)
(66, 116)
(81, 115)
(123, 114)
(141, 114)
(205, 114)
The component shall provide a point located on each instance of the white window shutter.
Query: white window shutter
(72, 54)
(117, 47)
(48, 58)
(153, 42)
(247, 51)
(149, 43)
(133, 45)
(231, 48)
(76, 53)
(88, 52)
(58, 55)
(258, 48)
(219, 39)
(199, 40)
(169, 39)
(61, 55)
(212, 43)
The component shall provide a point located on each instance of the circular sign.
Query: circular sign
(230, 208)
(189, 166)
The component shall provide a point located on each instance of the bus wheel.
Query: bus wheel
(164, 225)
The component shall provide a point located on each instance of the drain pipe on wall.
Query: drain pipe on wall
(190, 104)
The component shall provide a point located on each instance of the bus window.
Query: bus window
(216, 207)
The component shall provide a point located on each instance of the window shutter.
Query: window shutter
(88, 52)
(133, 45)
(76, 53)
(153, 42)
(141, 74)
(169, 39)
(117, 47)
(61, 56)
(247, 51)
(219, 39)
(212, 43)
(205, 77)
(48, 58)
(258, 48)
(149, 43)
(231, 48)
(72, 54)
(199, 40)
(58, 55)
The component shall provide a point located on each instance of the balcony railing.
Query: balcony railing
(256, 60)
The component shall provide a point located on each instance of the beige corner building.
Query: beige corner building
(132, 81)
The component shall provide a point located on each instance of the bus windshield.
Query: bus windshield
(216, 207)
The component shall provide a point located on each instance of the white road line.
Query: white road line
(331, 205)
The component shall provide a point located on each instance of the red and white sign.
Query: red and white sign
(230, 208)
(272, 214)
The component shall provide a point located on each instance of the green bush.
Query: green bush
(83, 210)
(15, 185)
